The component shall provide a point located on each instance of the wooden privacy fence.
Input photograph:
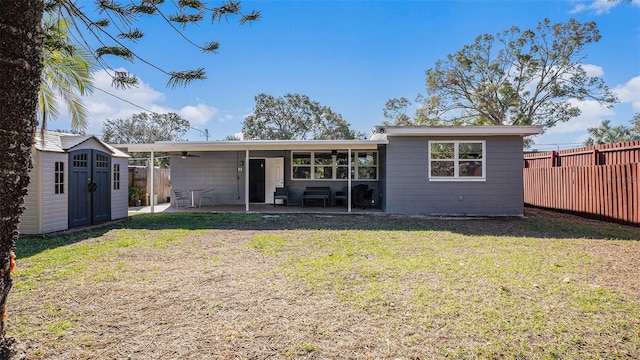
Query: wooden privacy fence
(608, 154)
(600, 182)
(606, 192)
(140, 179)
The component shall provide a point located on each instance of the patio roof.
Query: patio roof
(254, 145)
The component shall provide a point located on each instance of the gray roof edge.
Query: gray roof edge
(382, 131)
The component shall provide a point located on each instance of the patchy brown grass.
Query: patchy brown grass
(215, 286)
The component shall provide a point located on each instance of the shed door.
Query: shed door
(79, 191)
(101, 194)
(89, 190)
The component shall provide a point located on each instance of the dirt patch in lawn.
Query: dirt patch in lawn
(216, 293)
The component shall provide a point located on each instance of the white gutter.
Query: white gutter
(252, 145)
(380, 132)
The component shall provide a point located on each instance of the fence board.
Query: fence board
(140, 177)
(606, 192)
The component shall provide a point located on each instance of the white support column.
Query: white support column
(349, 182)
(153, 174)
(246, 180)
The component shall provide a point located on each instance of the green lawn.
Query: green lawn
(218, 286)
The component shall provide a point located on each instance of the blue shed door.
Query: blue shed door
(89, 190)
(101, 194)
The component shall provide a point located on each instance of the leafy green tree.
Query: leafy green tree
(21, 47)
(145, 128)
(66, 74)
(516, 77)
(635, 125)
(607, 134)
(294, 117)
(396, 111)
(232, 137)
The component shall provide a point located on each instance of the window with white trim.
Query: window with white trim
(116, 176)
(58, 181)
(457, 160)
(334, 165)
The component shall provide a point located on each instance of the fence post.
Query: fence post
(596, 157)
(553, 159)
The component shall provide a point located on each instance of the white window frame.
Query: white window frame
(334, 166)
(355, 165)
(456, 176)
(116, 176)
(58, 181)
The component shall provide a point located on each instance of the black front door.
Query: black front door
(89, 190)
(256, 180)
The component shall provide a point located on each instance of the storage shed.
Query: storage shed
(76, 180)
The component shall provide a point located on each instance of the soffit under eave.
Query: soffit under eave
(250, 147)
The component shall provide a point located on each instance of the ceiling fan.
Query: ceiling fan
(184, 155)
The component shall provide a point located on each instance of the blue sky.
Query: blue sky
(354, 55)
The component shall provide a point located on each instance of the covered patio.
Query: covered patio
(242, 176)
(255, 208)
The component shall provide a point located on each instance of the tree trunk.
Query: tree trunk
(20, 70)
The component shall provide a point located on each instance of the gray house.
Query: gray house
(76, 180)
(462, 170)
(452, 170)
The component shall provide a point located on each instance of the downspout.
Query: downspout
(246, 180)
(349, 182)
(153, 173)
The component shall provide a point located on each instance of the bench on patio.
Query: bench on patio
(317, 193)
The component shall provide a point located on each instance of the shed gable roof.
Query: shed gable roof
(64, 142)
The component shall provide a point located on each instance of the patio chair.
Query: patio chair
(207, 194)
(341, 196)
(179, 196)
(362, 196)
(281, 193)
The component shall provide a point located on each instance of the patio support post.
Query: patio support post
(349, 182)
(246, 180)
(153, 173)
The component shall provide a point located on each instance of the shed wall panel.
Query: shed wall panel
(30, 219)
(54, 207)
(120, 197)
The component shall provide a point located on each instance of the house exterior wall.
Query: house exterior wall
(409, 191)
(120, 197)
(219, 170)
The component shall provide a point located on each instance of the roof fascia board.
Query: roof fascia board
(464, 131)
(254, 145)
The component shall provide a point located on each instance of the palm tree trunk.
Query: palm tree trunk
(20, 68)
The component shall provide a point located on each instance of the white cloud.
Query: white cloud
(592, 113)
(107, 102)
(600, 6)
(593, 70)
(630, 92)
(226, 118)
(199, 114)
